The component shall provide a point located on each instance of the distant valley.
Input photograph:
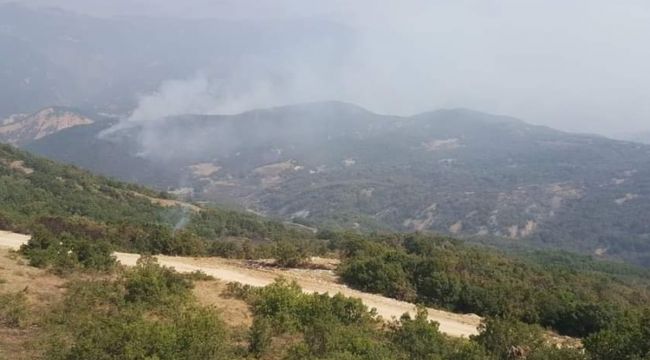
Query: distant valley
(489, 178)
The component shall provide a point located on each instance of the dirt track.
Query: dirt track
(320, 281)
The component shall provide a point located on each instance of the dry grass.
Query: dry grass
(234, 312)
(42, 290)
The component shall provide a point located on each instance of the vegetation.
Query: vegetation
(318, 326)
(65, 252)
(149, 311)
(627, 338)
(64, 206)
(447, 273)
(452, 171)
(33, 187)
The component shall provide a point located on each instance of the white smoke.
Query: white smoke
(184, 220)
(541, 61)
(196, 95)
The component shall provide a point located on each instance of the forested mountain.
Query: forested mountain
(77, 219)
(460, 172)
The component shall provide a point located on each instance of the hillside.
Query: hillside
(32, 187)
(40, 195)
(78, 219)
(464, 173)
(23, 128)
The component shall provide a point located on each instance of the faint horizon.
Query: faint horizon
(580, 66)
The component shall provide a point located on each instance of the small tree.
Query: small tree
(150, 283)
(418, 337)
(288, 254)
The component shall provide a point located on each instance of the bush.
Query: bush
(198, 275)
(419, 337)
(151, 284)
(260, 336)
(383, 275)
(147, 312)
(513, 340)
(190, 333)
(509, 339)
(281, 303)
(288, 254)
(627, 338)
(65, 252)
(331, 327)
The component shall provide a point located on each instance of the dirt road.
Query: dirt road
(12, 240)
(311, 281)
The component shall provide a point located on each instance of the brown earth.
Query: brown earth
(320, 281)
(42, 291)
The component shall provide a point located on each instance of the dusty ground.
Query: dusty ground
(311, 281)
(320, 281)
(41, 288)
(236, 313)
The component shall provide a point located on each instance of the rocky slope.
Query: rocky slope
(20, 129)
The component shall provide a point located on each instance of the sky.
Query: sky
(576, 65)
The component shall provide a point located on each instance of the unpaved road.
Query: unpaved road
(311, 281)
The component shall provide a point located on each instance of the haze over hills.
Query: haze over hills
(458, 172)
(123, 58)
(642, 137)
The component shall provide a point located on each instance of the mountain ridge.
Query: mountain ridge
(464, 173)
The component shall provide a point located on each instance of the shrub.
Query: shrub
(627, 338)
(281, 302)
(509, 339)
(65, 252)
(151, 284)
(190, 333)
(288, 254)
(260, 336)
(384, 274)
(198, 275)
(513, 340)
(419, 337)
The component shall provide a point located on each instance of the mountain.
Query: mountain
(22, 128)
(479, 176)
(78, 219)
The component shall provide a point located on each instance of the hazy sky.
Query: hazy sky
(581, 65)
